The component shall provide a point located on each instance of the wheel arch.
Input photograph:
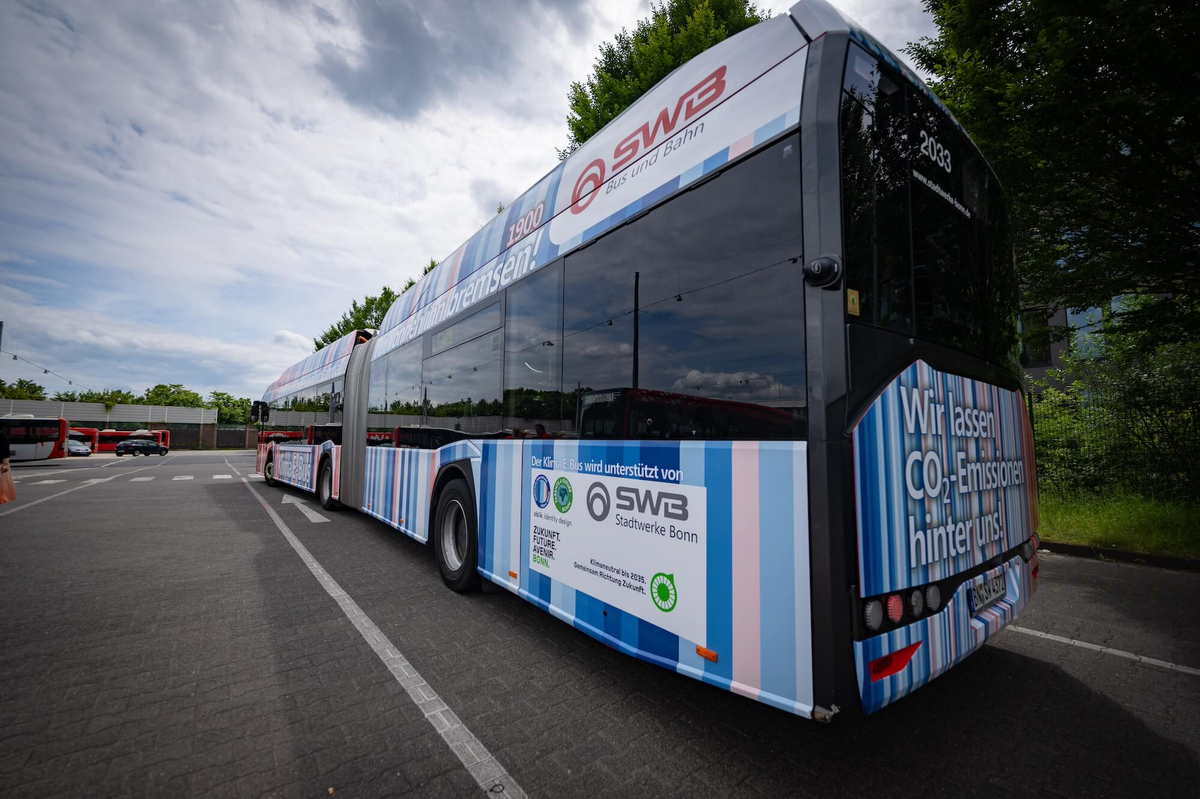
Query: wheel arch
(460, 469)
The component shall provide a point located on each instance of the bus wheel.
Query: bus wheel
(325, 486)
(455, 539)
(269, 471)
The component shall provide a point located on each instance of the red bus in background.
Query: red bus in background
(86, 435)
(35, 439)
(648, 414)
(266, 436)
(108, 438)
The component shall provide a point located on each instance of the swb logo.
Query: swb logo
(657, 503)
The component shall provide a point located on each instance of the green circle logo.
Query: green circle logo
(662, 591)
(563, 496)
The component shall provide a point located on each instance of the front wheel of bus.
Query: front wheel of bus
(325, 486)
(269, 470)
(455, 539)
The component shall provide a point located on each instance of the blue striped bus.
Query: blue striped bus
(732, 389)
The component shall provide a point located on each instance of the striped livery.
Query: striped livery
(756, 539)
(942, 640)
(891, 555)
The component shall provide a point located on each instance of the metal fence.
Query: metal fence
(1147, 445)
(81, 412)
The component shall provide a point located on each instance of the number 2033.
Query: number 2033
(936, 152)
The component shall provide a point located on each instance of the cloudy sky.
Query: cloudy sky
(190, 192)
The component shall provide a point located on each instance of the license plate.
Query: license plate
(987, 590)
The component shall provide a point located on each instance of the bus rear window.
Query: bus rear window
(927, 244)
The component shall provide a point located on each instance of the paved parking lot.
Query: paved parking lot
(164, 635)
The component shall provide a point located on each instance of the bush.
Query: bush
(1127, 417)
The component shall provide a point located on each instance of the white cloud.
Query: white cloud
(38, 279)
(292, 339)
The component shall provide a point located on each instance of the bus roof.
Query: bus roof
(323, 366)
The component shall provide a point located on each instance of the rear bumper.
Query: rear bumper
(941, 640)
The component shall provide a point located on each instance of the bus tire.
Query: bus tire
(455, 538)
(325, 486)
(269, 470)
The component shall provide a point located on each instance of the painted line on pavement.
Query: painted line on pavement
(88, 484)
(140, 479)
(231, 466)
(182, 477)
(222, 476)
(302, 506)
(479, 762)
(47, 482)
(1162, 664)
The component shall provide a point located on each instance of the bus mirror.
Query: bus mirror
(824, 271)
(264, 413)
(254, 407)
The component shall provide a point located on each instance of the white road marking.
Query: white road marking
(486, 770)
(231, 466)
(302, 506)
(69, 490)
(182, 477)
(222, 476)
(140, 479)
(1162, 664)
(47, 482)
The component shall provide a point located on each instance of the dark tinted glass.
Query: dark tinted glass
(377, 392)
(533, 352)
(927, 243)
(465, 381)
(404, 379)
(719, 302)
(462, 331)
(875, 196)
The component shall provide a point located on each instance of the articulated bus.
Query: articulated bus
(785, 277)
(35, 439)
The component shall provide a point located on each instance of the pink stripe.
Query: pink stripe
(741, 145)
(747, 623)
(396, 488)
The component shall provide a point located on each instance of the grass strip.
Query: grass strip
(1122, 521)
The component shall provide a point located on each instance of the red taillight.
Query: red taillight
(888, 665)
(895, 608)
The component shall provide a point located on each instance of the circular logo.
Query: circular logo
(563, 496)
(598, 501)
(590, 180)
(662, 591)
(541, 491)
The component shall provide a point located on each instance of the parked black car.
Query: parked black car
(140, 447)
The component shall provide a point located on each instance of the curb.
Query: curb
(1121, 556)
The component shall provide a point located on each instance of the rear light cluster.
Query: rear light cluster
(905, 606)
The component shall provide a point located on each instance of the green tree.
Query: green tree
(110, 397)
(630, 64)
(173, 394)
(65, 396)
(230, 409)
(22, 390)
(367, 314)
(1086, 112)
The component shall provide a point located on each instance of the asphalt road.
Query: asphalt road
(163, 636)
